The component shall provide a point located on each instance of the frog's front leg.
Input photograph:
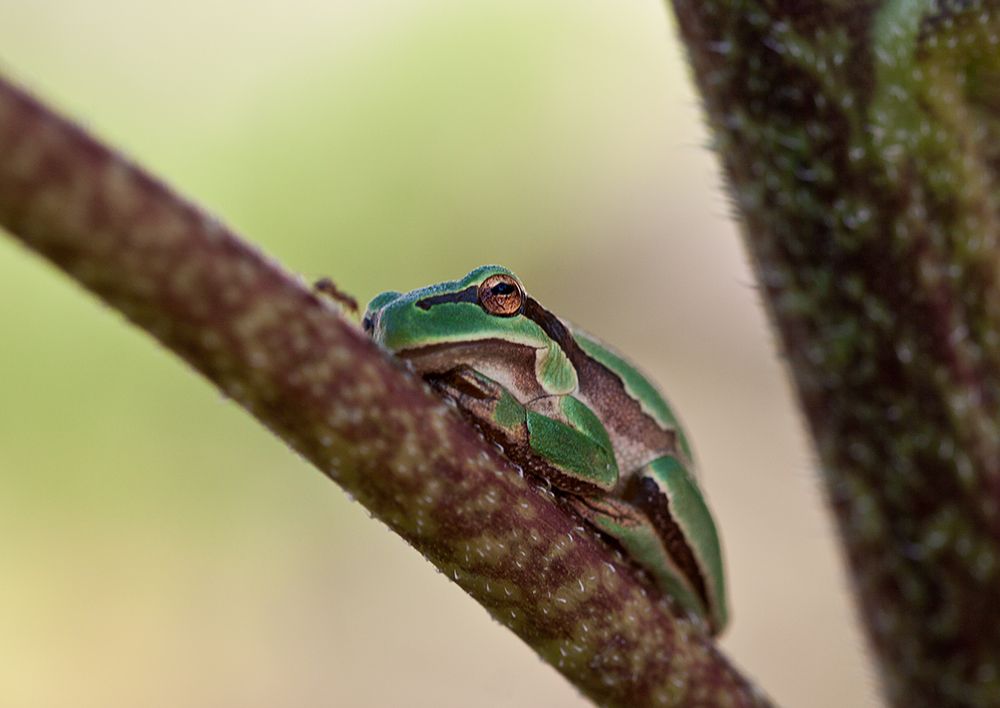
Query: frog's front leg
(557, 437)
(662, 523)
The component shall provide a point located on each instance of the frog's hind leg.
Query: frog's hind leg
(501, 417)
(647, 522)
(667, 491)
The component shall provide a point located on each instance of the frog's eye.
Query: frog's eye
(501, 295)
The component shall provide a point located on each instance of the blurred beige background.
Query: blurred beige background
(159, 548)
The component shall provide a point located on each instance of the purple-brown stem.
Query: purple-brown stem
(861, 142)
(288, 357)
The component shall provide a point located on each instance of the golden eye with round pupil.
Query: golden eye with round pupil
(501, 295)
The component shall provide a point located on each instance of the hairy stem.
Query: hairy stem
(290, 359)
(861, 141)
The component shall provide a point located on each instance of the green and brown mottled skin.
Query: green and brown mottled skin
(861, 142)
(566, 408)
(313, 378)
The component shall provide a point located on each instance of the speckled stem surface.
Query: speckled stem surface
(861, 142)
(313, 378)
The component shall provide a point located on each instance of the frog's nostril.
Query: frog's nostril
(367, 324)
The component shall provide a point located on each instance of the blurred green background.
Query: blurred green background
(159, 548)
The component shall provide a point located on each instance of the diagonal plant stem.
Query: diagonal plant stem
(861, 141)
(290, 359)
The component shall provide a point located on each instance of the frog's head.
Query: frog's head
(484, 320)
(488, 303)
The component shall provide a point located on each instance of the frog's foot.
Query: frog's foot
(500, 416)
(567, 453)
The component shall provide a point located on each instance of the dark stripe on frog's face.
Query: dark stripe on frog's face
(549, 323)
(470, 294)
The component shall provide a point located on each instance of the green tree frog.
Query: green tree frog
(568, 409)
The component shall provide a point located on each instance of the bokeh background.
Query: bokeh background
(159, 548)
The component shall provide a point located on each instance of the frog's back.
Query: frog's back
(636, 384)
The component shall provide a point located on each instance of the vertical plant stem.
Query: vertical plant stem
(861, 143)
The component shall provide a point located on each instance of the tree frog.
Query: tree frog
(568, 409)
